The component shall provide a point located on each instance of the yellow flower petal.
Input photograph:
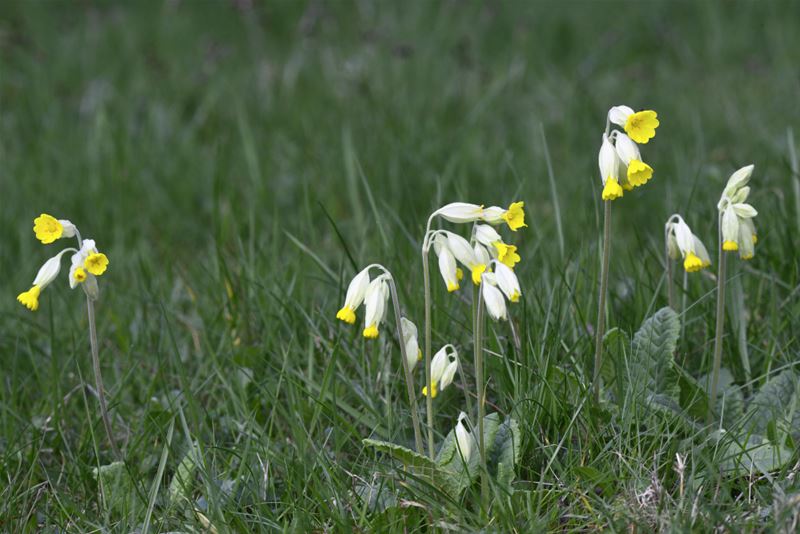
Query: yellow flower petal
(47, 228)
(30, 298)
(612, 190)
(96, 263)
(515, 216)
(641, 126)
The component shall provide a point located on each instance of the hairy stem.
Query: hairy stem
(426, 275)
(712, 400)
(412, 399)
(601, 301)
(668, 263)
(98, 378)
(481, 392)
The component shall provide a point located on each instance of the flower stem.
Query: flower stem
(601, 301)
(412, 398)
(98, 378)
(669, 275)
(428, 398)
(712, 400)
(481, 392)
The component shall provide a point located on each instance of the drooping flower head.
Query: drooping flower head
(443, 369)
(682, 243)
(87, 262)
(413, 352)
(375, 304)
(639, 125)
(464, 437)
(356, 292)
(514, 216)
(738, 230)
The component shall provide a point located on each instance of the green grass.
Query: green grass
(237, 166)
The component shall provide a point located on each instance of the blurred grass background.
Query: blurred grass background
(235, 160)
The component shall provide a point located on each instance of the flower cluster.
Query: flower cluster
(487, 245)
(738, 230)
(443, 369)
(87, 262)
(682, 243)
(373, 293)
(620, 161)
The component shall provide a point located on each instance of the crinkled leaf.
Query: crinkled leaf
(652, 366)
(181, 485)
(773, 401)
(402, 454)
(458, 473)
(502, 453)
(377, 496)
(756, 455)
(117, 486)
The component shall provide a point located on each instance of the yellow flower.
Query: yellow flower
(641, 126)
(30, 298)
(79, 274)
(371, 332)
(515, 216)
(730, 246)
(346, 314)
(639, 172)
(612, 190)
(434, 391)
(47, 228)
(477, 271)
(96, 263)
(507, 254)
(692, 263)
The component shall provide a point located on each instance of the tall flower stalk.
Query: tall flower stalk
(621, 169)
(374, 293)
(736, 233)
(87, 264)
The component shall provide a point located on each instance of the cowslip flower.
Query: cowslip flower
(608, 161)
(738, 230)
(493, 298)
(87, 262)
(356, 292)
(682, 243)
(464, 253)
(413, 352)
(489, 238)
(443, 369)
(514, 216)
(639, 125)
(463, 437)
(375, 305)
(507, 281)
(47, 273)
(48, 229)
(460, 212)
(636, 171)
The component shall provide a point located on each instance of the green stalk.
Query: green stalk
(720, 326)
(428, 398)
(412, 398)
(601, 304)
(481, 391)
(668, 263)
(98, 378)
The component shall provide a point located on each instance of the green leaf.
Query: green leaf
(118, 489)
(756, 455)
(402, 454)
(502, 453)
(458, 474)
(181, 485)
(773, 402)
(652, 364)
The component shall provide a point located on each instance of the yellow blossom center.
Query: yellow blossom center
(507, 254)
(612, 190)
(452, 286)
(30, 298)
(515, 216)
(47, 228)
(730, 246)
(434, 390)
(346, 314)
(459, 274)
(371, 332)
(692, 263)
(477, 272)
(641, 126)
(639, 172)
(79, 275)
(96, 263)
(515, 296)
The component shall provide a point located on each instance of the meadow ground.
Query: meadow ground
(237, 165)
